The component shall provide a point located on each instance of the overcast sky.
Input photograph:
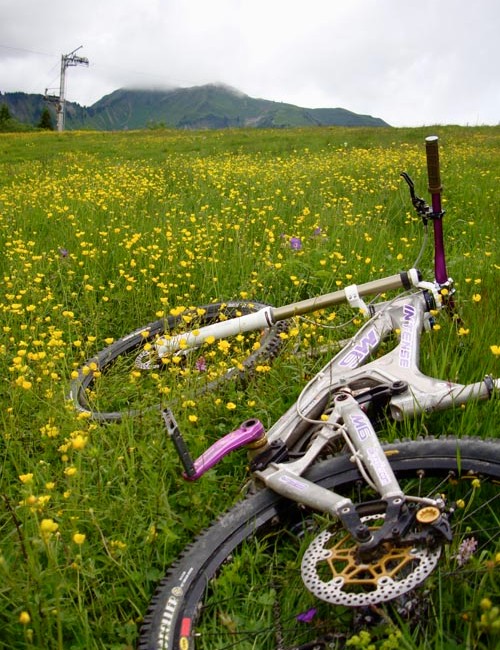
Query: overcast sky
(410, 62)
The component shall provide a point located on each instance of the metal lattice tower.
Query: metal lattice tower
(67, 60)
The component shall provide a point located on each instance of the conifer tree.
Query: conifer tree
(45, 121)
(5, 115)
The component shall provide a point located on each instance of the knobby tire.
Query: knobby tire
(181, 617)
(95, 376)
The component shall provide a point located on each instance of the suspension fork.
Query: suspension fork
(435, 214)
(435, 189)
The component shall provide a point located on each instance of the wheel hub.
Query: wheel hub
(332, 572)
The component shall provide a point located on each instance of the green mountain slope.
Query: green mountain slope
(213, 106)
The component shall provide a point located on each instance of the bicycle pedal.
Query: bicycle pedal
(179, 442)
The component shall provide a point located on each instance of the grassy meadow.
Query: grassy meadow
(101, 233)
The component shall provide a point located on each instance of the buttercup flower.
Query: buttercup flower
(24, 618)
(79, 538)
(47, 527)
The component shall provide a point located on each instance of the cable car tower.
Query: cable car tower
(67, 60)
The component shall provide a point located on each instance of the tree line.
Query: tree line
(9, 124)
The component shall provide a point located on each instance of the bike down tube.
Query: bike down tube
(337, 372)
(268, 316)
(349, 365)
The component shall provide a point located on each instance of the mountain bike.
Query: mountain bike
(339, 532)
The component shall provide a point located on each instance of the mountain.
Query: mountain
(212, 106)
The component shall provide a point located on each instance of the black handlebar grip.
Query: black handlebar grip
(433, 174)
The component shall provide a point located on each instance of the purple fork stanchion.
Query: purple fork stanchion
(248, 432)
(440, 272)
(435, 188)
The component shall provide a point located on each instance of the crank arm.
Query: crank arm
(251, 431)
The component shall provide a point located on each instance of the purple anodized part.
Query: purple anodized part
(248, 432)
(440, 272)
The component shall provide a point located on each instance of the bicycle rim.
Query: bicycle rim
(239, 584)
(128, 379)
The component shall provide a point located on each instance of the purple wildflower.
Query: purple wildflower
(317, 231)
(201, 364)
(466, 550)
(307, 617)
(295, 243)
(63, 252)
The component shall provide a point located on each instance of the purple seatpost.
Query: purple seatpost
(248, 432)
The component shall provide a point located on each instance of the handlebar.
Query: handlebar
(433, 172)
(434, 213)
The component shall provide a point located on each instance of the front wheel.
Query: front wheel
(128, 378)
(239, 585)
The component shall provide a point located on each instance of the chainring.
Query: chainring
(331, 571)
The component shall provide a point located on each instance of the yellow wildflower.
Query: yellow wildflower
(24, 618)
(224, 346)
(79, 442)
(48, 526)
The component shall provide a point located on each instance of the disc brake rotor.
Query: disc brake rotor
(147, 360)
(331, 571)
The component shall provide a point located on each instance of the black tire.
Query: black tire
(103, 387)
(229, 588)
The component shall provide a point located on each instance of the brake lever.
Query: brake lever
(420, 205)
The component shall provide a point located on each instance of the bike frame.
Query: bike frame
(351, 382)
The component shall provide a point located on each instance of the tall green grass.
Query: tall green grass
(102, 233)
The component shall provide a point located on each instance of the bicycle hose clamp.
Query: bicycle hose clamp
(355, 300)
